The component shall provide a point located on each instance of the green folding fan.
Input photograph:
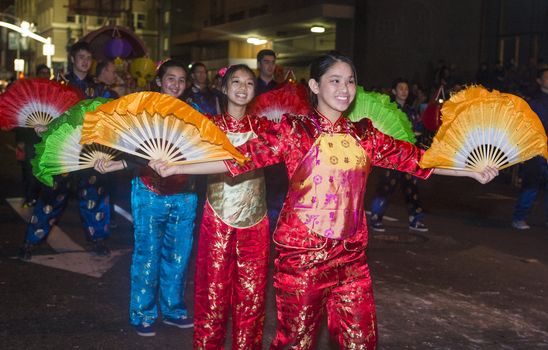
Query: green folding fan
(385, 115)
(60, 150)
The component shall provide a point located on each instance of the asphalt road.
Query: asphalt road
(471, 282)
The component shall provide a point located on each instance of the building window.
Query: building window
(139, 20)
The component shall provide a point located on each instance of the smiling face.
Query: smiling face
(239, 89)
(335, 90)
(173, 82)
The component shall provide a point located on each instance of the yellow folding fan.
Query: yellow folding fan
(482, 128)
(151, 125)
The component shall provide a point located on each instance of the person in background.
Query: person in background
(199, 93)
(534, 172)
(78, 76)
(266, 64)
(164, 211)
(393, 178)
(276, 175)
(105, 77)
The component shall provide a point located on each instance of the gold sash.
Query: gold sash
(238, 201)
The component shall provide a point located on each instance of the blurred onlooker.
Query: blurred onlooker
(534, 172)
(43, 71)
(200, 94)
(105, 77)
(482, 76)
(393, 178)
(266, 63)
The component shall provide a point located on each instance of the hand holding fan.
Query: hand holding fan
(31, 102)
(60, 150)
(290, 98)
(385, 115)
(151, 125)
(481, 128)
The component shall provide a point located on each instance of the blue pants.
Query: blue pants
(163, 241)
(534, 175)
(93, 204)
(389, 182)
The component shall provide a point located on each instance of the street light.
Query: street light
(19, 65)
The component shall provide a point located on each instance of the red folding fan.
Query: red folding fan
(30, 102)
(289, 98)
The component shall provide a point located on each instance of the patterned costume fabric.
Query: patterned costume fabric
(313, 271)
(94, 202)
(232, 260)
(93, 205)
(163, 230)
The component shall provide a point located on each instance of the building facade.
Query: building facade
(67, 21)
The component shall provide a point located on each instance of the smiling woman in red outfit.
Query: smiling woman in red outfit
(321, 235)
(232, 260)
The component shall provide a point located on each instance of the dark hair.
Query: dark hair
(196, 65)
(79, 46)
(265, 52)
(168, 64)
(321, 65)
(399, 81)
(226, 79)
(101, 66)
(541, 71)
(41, 67)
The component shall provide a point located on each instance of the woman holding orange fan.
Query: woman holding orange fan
(164, 210)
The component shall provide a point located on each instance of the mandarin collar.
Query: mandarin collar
(236, 125)
(342, 124)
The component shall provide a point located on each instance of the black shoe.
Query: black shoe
(25, 252)
(100, 248)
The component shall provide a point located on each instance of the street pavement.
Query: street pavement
(471, 282)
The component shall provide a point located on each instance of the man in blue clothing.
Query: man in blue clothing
(200, 94)
(81, 59)
(534, 172)
(393, 178)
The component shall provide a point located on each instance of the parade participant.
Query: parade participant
(232, 258)
(321, 235)
(200, 94)
(163, 219)
(94, 202)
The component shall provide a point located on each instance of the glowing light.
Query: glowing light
(317, 29)
(256, 41)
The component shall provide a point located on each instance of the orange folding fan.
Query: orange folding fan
(152, 125)
(485, 128)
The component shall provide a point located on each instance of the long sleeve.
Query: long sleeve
(387, 152)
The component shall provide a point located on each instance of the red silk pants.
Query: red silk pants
(332, 278)
(231, 272)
